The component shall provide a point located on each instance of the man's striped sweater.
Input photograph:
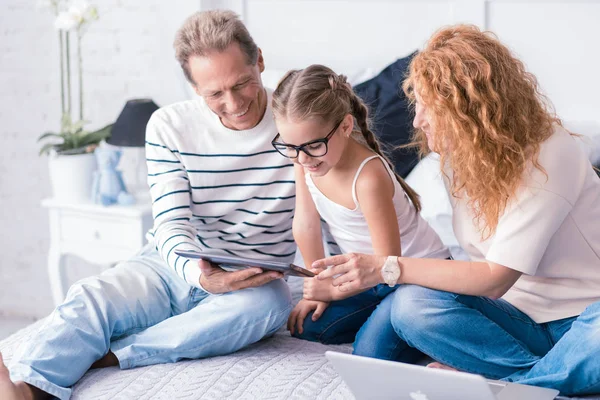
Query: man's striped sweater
(217, 189)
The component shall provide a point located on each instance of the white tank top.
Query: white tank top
(350, 230)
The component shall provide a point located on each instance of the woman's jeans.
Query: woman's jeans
(365, 320)
(145, 314)
(493, 338)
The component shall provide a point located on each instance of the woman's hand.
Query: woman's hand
(352, 272)
(302, 309)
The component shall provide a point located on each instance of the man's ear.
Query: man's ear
(260, 61)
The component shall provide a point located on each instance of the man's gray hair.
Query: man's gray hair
(208, 31)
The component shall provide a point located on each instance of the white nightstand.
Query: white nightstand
(98, 234)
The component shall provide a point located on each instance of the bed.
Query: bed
(280, 367)
(358, 38)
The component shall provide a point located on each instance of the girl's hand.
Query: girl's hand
(320, 290)
(302, 309)
(355, 272)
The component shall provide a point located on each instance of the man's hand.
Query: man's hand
(217, 280)
(299, 313)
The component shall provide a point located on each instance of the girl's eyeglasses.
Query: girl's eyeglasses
(314, 148)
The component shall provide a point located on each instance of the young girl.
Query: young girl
(526, 206)
(343, 178)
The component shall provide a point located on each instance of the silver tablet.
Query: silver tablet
(233, 262)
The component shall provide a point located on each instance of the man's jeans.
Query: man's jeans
(365, 320)
(493, 338)
(145, 314)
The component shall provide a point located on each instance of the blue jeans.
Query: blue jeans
(365, 320)
(145, 314)
(493, 338)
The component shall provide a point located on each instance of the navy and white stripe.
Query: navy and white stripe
(217, 189)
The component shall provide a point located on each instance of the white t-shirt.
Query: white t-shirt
(550, 232)
(350, 230)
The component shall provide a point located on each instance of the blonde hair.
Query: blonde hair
(487, 113)
(208, 31)
(318, 92)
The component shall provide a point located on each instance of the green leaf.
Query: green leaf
(75, 139)
(97, 136)
(107, 130)
(49, 134)
(76, 142)
(78, 126)
(65, 122)
(47, 147)
(70, 142)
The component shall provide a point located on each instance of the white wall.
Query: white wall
(559, 41)
(127, 53)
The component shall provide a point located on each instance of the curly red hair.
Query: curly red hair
(486, 110)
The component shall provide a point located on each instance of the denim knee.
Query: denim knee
(416, 309)
(272, 300)
(276, 294)
(313, 331)
(86, 294)
(335, 326)
(307, 333)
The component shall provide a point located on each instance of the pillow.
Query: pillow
(589, 140)
(392, 119)
(426, 179)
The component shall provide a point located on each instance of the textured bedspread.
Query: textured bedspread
(280, 367)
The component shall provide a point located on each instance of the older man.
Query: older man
(216, 183)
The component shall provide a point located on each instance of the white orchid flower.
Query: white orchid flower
(84, 10)
(66, 21)
(90, 14)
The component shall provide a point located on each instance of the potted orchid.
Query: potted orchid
(72, 162)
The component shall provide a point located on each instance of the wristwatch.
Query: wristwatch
(390, 271)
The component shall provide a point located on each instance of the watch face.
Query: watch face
(390, 272)
(391, 269)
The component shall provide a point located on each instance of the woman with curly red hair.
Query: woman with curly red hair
(526, 207)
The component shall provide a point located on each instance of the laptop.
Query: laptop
(370, 379)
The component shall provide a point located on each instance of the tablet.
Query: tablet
(235, 263)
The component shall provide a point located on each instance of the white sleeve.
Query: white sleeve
(524, 231)
(171, 197)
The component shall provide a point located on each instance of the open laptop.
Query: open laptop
(370, 379)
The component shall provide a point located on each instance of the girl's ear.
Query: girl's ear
(348, 125)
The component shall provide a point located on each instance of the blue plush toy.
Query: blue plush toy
(108, 186)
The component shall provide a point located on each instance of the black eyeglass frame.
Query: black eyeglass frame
(303, 146)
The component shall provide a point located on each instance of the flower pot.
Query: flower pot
(71, 177)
